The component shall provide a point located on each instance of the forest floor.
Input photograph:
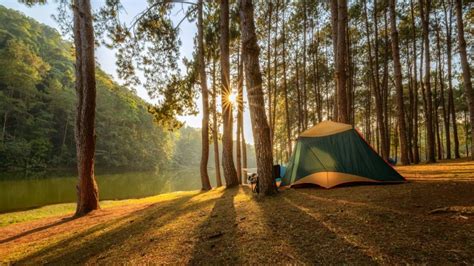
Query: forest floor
(429, 219)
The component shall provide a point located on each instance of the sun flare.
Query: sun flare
(232, 98)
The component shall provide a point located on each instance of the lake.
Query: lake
(29, 190)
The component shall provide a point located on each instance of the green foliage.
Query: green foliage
(150, 44)
(37, 106)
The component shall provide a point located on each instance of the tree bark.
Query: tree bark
(298, 90)
(244, 150)
(334, 24)
(411, 99)
(423, 98)
(239, 114)
(451, 110)
(317, 87)
(87, 190)
(398, 85)
(260, 128)
(272, 119)
(205, 184)
(424, 14)
(445, 112)
(385, 88)
(269, 72)
(381, 113)
(374, 78)
(285, 90)
(350, 89)
(215, 137)
(230, 173)
(436, 103)
(416, 152)
(341, 61)
(466, 71)
(305, 102)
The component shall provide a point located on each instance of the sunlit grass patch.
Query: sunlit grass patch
(461, 170)
(69, 208)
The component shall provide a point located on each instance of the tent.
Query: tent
(331, 154)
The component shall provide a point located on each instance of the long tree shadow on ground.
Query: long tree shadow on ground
(307, 239)
(38, 229)
(216, 243)
(388, 235)
(80, 247)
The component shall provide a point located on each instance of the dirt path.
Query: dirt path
(388, 224)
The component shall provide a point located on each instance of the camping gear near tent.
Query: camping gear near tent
(330, 154)
(282, 171)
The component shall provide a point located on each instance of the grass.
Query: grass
(69, 208)
(36, 213)
(444, 170)
(389, 224)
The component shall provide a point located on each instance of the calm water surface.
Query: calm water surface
(28, 190)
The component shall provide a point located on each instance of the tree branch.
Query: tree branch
(185, 16)
(142, 14)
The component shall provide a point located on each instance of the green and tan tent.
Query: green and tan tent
(330, 154)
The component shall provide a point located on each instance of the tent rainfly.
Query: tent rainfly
(330, 154)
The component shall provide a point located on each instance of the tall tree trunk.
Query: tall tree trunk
(215, 130)
(239, 114)
(411, 99)
(374, 78)
(334, 24)
(350, 82)
(451, 110)
(230, 174)
(269, 72)
(299, 96)
(423, 98)
(466, 71)
(385, 88)
(398, 85)
(87, 190)
(416, 152)
(329, 116)
(341, 61)
(260, 128)
(244, 149)
(285, 90)
(425, 19)
(305, 93)
(436, 103)
(444, 110)
(317, 112)
(205, 184)
(318, 79)
(382, 118)
(272, 119)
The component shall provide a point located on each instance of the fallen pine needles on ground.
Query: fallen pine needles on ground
(378, 224)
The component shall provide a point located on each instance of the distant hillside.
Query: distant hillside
(37, 104)
(37, 109)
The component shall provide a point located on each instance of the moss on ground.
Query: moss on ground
(389, 224)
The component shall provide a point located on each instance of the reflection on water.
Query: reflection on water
(20, 190)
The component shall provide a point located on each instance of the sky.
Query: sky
(106, 57)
